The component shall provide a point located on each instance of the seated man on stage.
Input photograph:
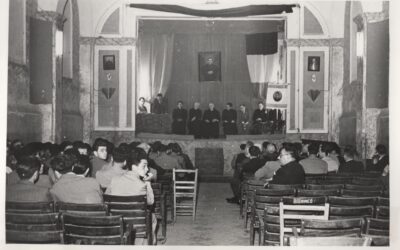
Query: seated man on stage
(259, 119)
(229, 120)
(195, 122)
(211, 119)
(243, 118)
(159, 105)
(179, 116)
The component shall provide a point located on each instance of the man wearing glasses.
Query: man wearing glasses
(291, 171)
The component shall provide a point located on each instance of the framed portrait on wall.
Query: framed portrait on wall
(210, 66)
(313, 63)
(109, 62)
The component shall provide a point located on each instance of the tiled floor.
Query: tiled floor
(217, 222)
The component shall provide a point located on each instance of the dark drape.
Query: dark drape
(235, 85)
(250, 10)
(262, 43)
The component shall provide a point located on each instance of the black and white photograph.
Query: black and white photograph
(191, 123)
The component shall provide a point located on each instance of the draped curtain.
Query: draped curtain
(155, 64)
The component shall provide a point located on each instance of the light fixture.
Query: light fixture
(59, 42)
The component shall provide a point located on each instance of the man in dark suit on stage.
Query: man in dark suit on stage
(195, 121)
(229, 117)
(211, 119)
(159, 105)
(179, 116)
(259, 119)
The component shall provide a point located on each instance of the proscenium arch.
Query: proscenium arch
(106, 14)
(314, 10)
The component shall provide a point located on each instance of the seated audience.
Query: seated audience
(291, 172)
(136, 181)
(269, 152)
(164, 160)
(100, 152)
(25, 189)
(81, 147)
(327, 154)
(155, 169)
(229, 120)
(304, 150)
(177, 150)
(380, 159)
(118, 163)
(255, 162)
(350, 165)
(312, 164)
(268, 170)
(179, 117)
(73, 186)
(173, 151)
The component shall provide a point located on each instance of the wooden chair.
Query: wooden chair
(329, 241)
(160, 208)
(33, 228)
(166, 186)
(363, 188)
(298, 208)
(339, 227)
(382, 212)
(285, 187)
(313, 193)
(314, 178)
(185, 193)
(95, 230)
(269, 226)
(82, 209)
(263, 198)
(357, 193)
(251, 186)
(324, 187)
(383, 201)
(378, 230)
(30, 207)
(365, 181)
(342, 212)
(335, 201)
(134, 212)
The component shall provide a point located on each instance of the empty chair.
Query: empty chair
(82, 209)
(352, 201)
(363, 187)
(160, 209)
(339, 227)
(33, 228)
(185, 192)
(378, 230)
(95, 230)
(312, 193)
(358, 193)
(341, 212)
(263, 198)
(134, 212)
(324, 186)
(298, 208)
(29, 207)
(329, 241)
(250, 188)
(382, 212)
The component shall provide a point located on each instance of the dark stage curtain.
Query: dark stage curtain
(250, 10)
(235, 85)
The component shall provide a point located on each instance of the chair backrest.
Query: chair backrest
(282, 186)
(158, 193)
(329, 241)
(82, 209)
(363, 187)
(93, 230)
(271, 196)
(188, 181)
(304, 209)
(383, 201)
(342, 212)
(382, 212)
(340, 227)
(30, 207)
(321, 192)
(134, 211)
(351, 201)
(365, 181)
(377, 227)
(323, 187)
(357, 193)
(33, 228)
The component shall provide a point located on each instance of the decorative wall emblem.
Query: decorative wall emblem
(108, 92)
(277, 96)
(313, 94)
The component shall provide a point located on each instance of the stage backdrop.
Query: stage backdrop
(235, 85)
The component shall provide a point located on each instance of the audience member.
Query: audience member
(25, 190)
(291, 172)
(229, 117)
(100, 148)
(350, 165)
(270, 167)
(269, 152)
(164, 160)
(211, 119)
(380, 159)
(179, 117)
(327, 154)
(72, 185)
(312, 164)
(255, 162)
(195, 122)
(177, 150)
(118, 163)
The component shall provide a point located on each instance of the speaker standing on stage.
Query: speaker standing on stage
(229, 120)
(159, 105)
(195, 121)
(179, 116)
(211, 119)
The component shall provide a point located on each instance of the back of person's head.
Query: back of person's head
(381, 149)
(249, 144)
(291, 149)
(99, 142)
(110, 147)
(254, 151)
(134, 144)
(163, 148)
(135, 156)
(63, 163)
(31, 149)
(156, 146)
(27, 167)
(264, 145)
(313, 148)
(349, 152)
(72, 151)
(176, 148)
(65, 145)
(120, 155)
(146, 147)
(242, 146)
(82, 165)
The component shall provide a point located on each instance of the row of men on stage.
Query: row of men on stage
(206, 125)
